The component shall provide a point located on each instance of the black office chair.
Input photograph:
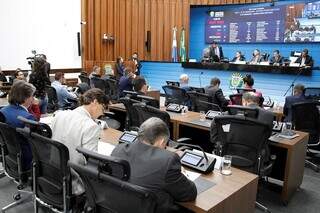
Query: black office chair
(173, 83)
(242, 110)
(52, 99)
(82, 88)
(202, 102)
(150, 101)
(243, 90)
(37, 127)
(312, 93)
(12, 146)
(132, 122)
(236, 99)
(113, 90)
(84, 79)
(305, 117)
(197, 89)
(97, 82)
(145, 112)
(107, 187)
(249, 151)
(51, 174)
(175, 95)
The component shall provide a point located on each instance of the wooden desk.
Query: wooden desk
(234, 193)
(288, 167)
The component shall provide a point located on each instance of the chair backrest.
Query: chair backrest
(175, 95)
(236, 99)
(202, 102)
(243, 90)
(113, 88)
(312, 93)
(173, 83)
(109, 192)
(305, 117)
(243, 138)
(37, 127)
(52, 99)
(132, 116)
(145, 112)
(82, 88)
(84, 79)
(97, 82)
(198, 89)
(150, 101)
(13, 142)
(51, 173)
(242, 110)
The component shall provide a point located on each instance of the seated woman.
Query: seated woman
(20, 98)
(248, 84)
(238, 57)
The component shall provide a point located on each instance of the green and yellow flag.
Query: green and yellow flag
(182, 46)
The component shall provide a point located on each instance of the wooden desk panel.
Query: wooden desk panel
(234, 193)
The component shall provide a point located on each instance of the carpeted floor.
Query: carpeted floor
(306, 200)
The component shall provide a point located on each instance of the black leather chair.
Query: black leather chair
(51, 174)
(312, 93)
(197, 89)
(305, 117)
(97, 82)
(37, 127)
(173, 83)
(145, 112)
(202, 102)
(243, 90)
(113, 90)
(245, 139)
(175, 95)
(52, 99)
(84, 79)
(82, 88)
(107, 187)
(132, 122)
(12, 146)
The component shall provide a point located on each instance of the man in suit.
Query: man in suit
(155, 168)
(126, 81)
(20, 98)
(298, 96)
(276, 59)
(216, 93)
(304, 59)
(215, 52)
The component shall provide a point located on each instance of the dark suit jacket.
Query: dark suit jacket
(308, 62)
(11, 112)
(119, 68)
(242, 58)
(138, 66)
(217, 96)
(212, 54)
(274, 60)
(287, 109)
(125, 83)
(158, 170)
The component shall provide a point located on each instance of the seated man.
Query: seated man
(125, 82)
(77, 127)
(298, 96)
(256, 57)
(62, 93)
(155, 168)
(305, 59)
(249, 99)
(20, 98)
(216, 93)
(184, 81)
(276, 59)
(140, 85)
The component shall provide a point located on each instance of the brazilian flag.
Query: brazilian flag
(182, 46)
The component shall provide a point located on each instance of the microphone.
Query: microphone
(193, 146)
(200, 78)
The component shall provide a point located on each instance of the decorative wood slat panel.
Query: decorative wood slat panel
(129, 20)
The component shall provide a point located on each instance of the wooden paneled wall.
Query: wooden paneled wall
(128, 22)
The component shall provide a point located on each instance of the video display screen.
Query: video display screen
(298, 22)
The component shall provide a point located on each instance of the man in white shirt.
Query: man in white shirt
(62, 93)
(77, 127)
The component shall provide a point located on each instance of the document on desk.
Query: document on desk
(105, 148)
(190, 175)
